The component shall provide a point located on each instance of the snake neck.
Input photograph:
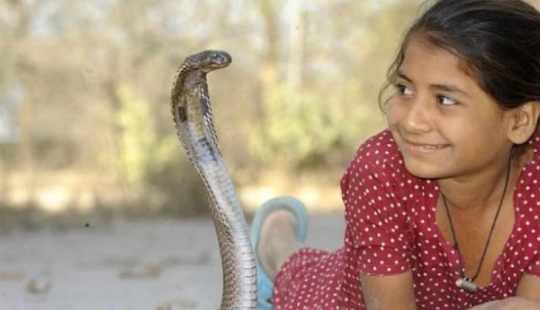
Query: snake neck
(237, 255)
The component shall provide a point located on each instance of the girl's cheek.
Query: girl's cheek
(393, 114)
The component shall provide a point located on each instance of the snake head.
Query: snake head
(209, 60)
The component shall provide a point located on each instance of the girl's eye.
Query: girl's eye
(404, 90)
(443, 100)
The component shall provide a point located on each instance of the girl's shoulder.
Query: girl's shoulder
(380, 154)
(379, 157)
(379, 150)
(378, 160)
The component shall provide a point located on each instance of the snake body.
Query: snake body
(192, 111)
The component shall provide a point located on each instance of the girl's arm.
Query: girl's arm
(529, 288)
(511, 303)
(527, 297)
(388, 292)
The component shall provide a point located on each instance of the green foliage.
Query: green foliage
(155, 162)
(137, 136)
(303, 129)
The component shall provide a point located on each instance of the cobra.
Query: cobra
(192, 111)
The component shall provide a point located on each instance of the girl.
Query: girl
(443, 207)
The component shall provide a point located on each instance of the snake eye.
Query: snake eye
(217, 59)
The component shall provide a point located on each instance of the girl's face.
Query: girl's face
(445, 125)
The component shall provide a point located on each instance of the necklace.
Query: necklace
(465, 282)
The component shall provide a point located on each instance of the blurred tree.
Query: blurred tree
(318, 123)
(300, 95)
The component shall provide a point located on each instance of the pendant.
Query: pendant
(466, 284)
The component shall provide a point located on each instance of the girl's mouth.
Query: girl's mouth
(424, 148)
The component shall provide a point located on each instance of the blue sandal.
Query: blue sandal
(293, 205)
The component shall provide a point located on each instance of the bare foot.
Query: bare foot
(277, 241)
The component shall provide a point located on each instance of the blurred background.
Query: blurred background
(85, 123)
(92, 176)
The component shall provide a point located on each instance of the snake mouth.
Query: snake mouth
(219, 59)
(209, 60)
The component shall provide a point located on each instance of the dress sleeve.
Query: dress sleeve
(376, 216)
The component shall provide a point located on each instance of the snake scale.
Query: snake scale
(192, 111)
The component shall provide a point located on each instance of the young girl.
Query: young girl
(443, 207)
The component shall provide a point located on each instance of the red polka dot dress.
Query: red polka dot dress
(391, 228)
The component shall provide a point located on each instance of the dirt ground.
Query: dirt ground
(142, 265)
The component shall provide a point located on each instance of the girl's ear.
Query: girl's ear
(524, 121)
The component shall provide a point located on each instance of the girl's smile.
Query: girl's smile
(445, 125)
(419, 148)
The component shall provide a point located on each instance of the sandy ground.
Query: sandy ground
(140, 265)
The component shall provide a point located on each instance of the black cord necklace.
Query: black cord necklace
(465, 282)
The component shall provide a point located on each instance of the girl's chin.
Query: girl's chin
(424, 171)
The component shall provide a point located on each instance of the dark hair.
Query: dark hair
(497, 41)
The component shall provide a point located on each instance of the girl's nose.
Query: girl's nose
(417, 120)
